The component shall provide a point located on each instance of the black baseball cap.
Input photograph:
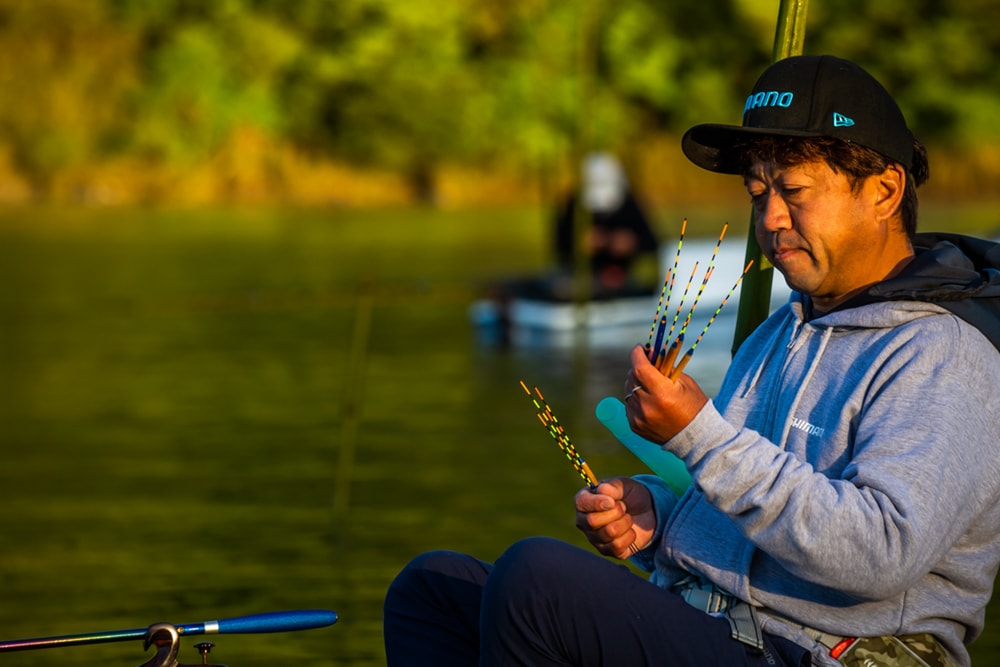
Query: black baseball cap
(808, 96)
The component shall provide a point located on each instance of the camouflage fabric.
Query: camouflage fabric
(905, 651)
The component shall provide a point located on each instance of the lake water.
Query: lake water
(210, 414)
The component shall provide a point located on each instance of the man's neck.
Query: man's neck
(818, 308)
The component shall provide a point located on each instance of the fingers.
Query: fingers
(658, 408)
(593, 503)
(610, 532)
(622, 549)
(631, 383)
(604, 518)
(643, 373)
(642, 377)
(623, 546)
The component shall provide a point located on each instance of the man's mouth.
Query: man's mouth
(784, 252)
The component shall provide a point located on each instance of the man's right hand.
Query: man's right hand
(617, 517)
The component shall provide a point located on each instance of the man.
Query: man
(618, 231)
(844, 506)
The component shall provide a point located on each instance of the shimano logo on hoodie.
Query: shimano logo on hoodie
(811, 429)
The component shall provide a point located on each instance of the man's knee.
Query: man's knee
(431, 610)
(532, 565)
(429, 563)
(438, 579)
(421, 573)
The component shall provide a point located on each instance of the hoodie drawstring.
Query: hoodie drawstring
(813, 365)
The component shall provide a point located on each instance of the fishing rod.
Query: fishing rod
(280, 621)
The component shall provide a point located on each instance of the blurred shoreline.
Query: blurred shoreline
(252, 170)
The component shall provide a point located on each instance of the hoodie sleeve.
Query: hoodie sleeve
(664, 501)
(922, 467)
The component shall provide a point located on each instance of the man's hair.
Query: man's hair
(855, 161)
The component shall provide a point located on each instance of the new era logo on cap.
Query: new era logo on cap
(840, 120)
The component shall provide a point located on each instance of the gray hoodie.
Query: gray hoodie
(846, 476)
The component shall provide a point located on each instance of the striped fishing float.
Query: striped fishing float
(668, 356)
(659, 306)
(658, 353)
(675, 373)
(687, 320)
(662, 336)
(662, 306)
(558, 433)
(662, 347)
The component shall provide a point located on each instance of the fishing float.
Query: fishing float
(664, 351)
(558, 433)
(671, 274)
(677, 370)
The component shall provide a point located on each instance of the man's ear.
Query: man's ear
(890, 185)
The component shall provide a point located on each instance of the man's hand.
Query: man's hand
(617, 517)
(659, 408)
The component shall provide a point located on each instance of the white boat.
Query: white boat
(534, 321)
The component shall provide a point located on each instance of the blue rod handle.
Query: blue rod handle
(278, 621)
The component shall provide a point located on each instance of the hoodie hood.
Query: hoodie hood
(956, 272)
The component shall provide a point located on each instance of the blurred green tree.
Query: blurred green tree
(63, 69)
(524, 85)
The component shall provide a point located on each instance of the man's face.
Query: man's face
(823, 237)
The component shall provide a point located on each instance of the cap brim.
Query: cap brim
(711, 146)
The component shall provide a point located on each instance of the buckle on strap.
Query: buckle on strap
(835, 644)
(744, 625)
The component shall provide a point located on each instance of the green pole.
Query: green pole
(588, 20)
(755, 292)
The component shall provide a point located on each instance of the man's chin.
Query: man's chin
(796, 283)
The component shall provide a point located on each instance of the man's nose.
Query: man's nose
(772, 214)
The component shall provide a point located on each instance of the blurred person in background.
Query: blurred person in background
(617, 232)
(600, 233)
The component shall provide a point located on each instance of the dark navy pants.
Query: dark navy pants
(546, 602)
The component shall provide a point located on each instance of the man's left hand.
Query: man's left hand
(659, 408)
